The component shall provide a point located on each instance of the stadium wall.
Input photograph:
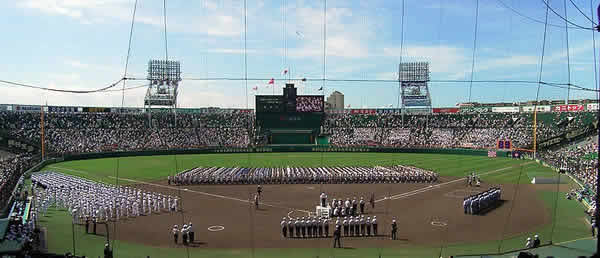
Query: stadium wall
(276, 148)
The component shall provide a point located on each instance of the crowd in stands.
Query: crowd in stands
(10, 172)
(95, 132)
(17, 230)
(449, 130)
(580, 160)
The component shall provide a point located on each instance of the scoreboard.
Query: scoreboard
(289, 102)
(269, 104)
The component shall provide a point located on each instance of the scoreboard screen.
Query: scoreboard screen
(309, 103)
(269, 104)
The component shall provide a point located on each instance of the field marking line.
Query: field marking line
(207, 194)
(431, 187)
(569, 241)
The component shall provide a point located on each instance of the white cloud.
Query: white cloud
(443, 59)
(216, 22)
(344, 33)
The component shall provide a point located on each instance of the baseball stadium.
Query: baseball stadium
(264, 129)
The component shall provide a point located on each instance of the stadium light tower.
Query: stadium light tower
(163, 77)
(413, 78)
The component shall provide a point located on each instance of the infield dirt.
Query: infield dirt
(426, 214)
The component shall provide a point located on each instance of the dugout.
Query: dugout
(291, 136)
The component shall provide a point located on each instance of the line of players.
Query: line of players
(313, 227)
(88, 201)
(477, 203)
(330, 175)
(341, 208)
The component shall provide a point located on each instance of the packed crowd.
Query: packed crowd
(332, 175)
(309, 104)
(449, 130)
(482, 202)
(18, 229)
(11, 170)
(580, 160)
(96, 202)
(95, 132)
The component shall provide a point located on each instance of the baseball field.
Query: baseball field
(430, 217)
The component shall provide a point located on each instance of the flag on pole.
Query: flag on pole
(304, 79)
(320, 89)
(491, 154)
(272, 81)
(284, 72)
(255, 88)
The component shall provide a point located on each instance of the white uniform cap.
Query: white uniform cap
(536, 236)
(529, 239)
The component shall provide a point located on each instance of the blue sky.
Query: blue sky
(82, 44)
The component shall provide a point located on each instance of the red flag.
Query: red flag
(272, 81)
(255, 88)
(284, 72)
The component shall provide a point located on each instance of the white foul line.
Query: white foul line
(431, 187)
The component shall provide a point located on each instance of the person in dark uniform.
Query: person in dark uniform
(87, 224)
(184, 234)
(291, 227)
(309, 227)
(594, 227)
(256, 201)
(303, 226)
(191, 232)
(94, 225)
(362, 206)
(336, 237)
(107, 251)
(374, 222)
(283, 228)
(326, 227)
(315, 225)
(297, 226)
(175, 233)
(259, 190)
(368, 223)
(345, 223)
(536, 241)
(320, 222)
(394, 229)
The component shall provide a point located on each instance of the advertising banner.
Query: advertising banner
(568, 108)
(474, 109)
(446, 110)
(363, 111)
(538, 108)
(505, 109)
(592, 107)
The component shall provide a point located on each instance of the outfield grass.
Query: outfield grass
(569, 214)
(159, 167)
